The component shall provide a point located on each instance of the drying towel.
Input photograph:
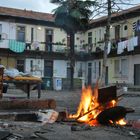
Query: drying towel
(120, 47)
(109, 47)
(16, 46)
(132, 42)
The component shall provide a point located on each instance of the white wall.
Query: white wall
(59, 35)
(8, 32)
(60, 68)
(38, 67)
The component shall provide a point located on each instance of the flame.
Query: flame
(121, 122)
(114, 103)
(89, 108)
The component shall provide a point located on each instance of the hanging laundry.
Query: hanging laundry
(16, 46)
(108, 47)
(135, 41)
(35, 44)
(121, 46)
(132, 42)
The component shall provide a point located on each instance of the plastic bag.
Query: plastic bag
(47, 116)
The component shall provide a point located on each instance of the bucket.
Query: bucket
(125, 89)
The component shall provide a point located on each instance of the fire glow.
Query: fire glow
(89, 107)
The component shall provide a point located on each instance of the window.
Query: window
(90, 38)
(117, 67)
(100, 34)
(21, 33)
(121, 68)
(136, 28)
(49, 39)
(20, 65)
(95, 40)
(124, 67)
(48, 68)
(117, 32)
(31, 65)
(32, 34)
(125, 27)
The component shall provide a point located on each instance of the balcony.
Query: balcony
(82, 49)
(4, 44)
(50, 47)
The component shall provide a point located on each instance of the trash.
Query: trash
(5, 125)
(11, 72)
(131, 133)
(47, 116)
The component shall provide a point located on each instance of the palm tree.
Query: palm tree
(72, 16)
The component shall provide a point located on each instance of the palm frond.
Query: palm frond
(73, 15)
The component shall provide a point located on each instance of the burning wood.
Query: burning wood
(100, 105)
(112, 115)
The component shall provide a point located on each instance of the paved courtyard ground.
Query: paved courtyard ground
(69, 100)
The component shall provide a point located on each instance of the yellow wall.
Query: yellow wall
(39, 34)
(8, 62)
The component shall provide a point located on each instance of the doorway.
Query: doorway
(106, 76)
(49, 39)
(136, 74)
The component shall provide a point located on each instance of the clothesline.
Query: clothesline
(127, 44)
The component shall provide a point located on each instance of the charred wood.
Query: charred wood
(112, 114)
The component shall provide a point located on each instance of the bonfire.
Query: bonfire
(92, 112)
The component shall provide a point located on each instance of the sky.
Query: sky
(36, 5)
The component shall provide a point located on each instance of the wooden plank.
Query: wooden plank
(27, 104)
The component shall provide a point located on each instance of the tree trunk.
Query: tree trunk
(107, 38)
(72, 60)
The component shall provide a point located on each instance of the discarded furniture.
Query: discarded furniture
(25, 81)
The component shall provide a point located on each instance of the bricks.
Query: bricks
(27, 104)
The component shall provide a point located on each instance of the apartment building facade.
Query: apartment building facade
(123, 49)
(32, 43)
